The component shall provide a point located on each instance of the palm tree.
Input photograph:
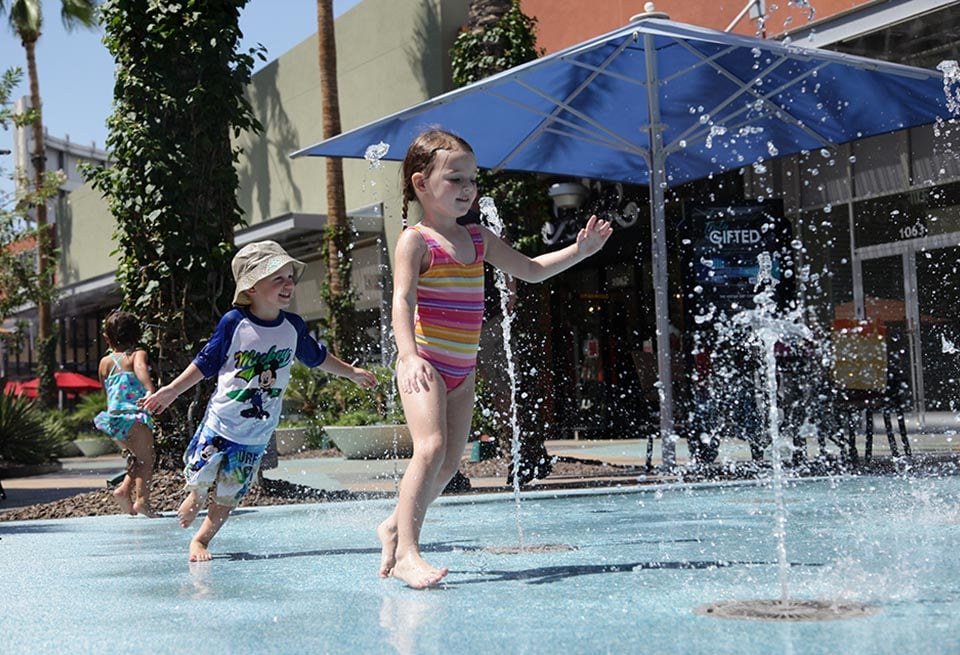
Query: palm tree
(337, 241)
(26, 21)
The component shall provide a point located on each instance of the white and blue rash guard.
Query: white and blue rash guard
(251, 359)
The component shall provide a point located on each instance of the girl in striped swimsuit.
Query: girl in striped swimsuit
(437, 314)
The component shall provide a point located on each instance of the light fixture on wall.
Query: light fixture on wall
(567, 199)
(567, 196)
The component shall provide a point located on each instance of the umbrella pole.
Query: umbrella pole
(658, 231)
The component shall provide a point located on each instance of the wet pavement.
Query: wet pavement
(645, 569)
(82, 474)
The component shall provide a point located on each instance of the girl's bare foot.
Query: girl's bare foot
(415, 571)
(188, 510)
(143, 507)
(387, 534)
(122, 496)
(199, 552)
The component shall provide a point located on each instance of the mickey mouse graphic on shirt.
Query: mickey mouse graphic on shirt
(266, 376)
(263, 367)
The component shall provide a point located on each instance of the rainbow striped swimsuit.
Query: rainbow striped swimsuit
(449, 310)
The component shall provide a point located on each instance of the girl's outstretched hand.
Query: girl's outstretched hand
(591, 238)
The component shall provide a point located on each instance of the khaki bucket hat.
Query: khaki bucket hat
(256, 261)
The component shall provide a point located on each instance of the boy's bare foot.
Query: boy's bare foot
(415, 571)
(143, 507)
(199, 552)
(189, 509)
(387, 534)
(122, 496)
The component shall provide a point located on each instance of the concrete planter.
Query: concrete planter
(371, 441)
(95, 446)
(291, 440)
(70, 449)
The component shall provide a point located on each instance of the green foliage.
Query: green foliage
(331, 400)
(305, 389)
(521, 198)
(178, 98)
(523, 204)
(86, 409)
(21, 282)
(358, 417)
(323, 399)
(26, 16)
(28, 435)
(486, 420)
(510, 41)
(9, 80)
(341, 306)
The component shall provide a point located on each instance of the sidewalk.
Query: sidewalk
(78, 475)
(81, 474)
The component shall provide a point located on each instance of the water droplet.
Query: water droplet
(374, 153)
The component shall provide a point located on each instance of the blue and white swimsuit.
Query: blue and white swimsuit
(123, 389)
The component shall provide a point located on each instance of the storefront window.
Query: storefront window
(904, 216)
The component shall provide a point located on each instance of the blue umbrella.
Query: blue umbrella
(662, 103)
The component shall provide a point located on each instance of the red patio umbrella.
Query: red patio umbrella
(66, 381)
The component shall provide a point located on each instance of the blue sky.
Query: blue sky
(76, 71)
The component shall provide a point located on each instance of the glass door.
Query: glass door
(914, 295)
(887, 302)
(938, 308)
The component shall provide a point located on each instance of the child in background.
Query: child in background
(437, 315)
(251, 352)
(125, 375)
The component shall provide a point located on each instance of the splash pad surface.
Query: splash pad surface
(302, 579)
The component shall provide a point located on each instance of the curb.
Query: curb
(8, 472)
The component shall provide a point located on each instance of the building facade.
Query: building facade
(879, 221)
(17, 358)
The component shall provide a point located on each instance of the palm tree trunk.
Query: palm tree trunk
(337, 241)
(46, 239)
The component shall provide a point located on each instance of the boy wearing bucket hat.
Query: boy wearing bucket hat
(251, 353)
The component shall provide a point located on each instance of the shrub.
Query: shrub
(28, 434)
(328, 399)
(322, 399)
(358, 417)
(89, 405)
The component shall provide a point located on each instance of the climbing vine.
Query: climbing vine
(178, 100)
(341, 304)
(478, 52)
(504, 42)
(494, 43)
